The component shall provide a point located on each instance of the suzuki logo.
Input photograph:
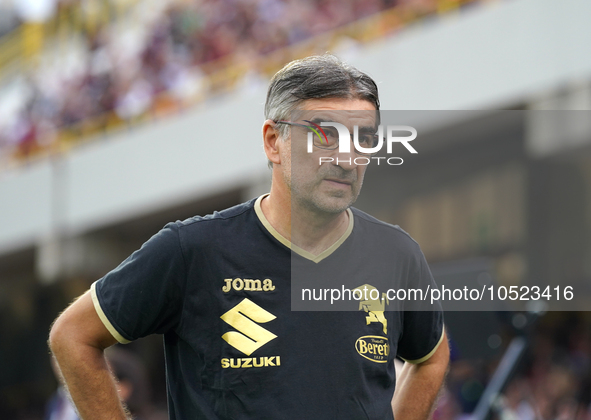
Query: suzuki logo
(251, 335)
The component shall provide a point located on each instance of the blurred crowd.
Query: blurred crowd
(133, 387)
(158, 56)
(552, 382)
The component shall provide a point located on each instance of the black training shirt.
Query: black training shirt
(219, 289)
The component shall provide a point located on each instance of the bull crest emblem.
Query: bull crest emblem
(373, 307)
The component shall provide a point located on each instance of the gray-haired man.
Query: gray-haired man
(219, 287)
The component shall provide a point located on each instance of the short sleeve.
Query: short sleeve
(144, 294)
(423, 328)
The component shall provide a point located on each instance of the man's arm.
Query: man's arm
(78, 339)
(418, 385)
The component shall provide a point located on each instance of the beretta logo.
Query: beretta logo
(373, 347)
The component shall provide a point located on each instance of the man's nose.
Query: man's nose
(346, 160)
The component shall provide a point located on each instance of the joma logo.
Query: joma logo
(248, 285)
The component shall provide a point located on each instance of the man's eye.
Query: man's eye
(368, 140)
(331, 133)
(332, 136)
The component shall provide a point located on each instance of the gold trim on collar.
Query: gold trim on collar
(295, 248)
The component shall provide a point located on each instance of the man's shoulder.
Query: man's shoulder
(374, 226)
(233, 213)
(203, 229)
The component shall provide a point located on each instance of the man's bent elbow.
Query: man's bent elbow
(57, 335)
(79, 326)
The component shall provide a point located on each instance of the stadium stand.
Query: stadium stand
(153, 58)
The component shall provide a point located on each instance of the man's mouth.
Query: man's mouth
(339, 181)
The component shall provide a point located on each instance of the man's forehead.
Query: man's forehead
(337, 104)
(344, 111)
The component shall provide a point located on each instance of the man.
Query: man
(218, 288)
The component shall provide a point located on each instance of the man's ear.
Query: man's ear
(271, 141)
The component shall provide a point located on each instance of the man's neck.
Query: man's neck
(309, 230)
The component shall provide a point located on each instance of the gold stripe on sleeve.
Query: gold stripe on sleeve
(431, 353)
(103, 317)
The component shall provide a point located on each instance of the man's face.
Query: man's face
(330, 187)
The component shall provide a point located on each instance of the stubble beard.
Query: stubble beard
(314, 196)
